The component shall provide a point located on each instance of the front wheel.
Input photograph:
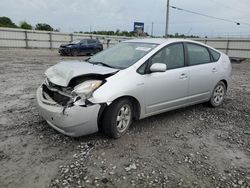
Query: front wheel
(74, 53)
(218, 94)
(117, 118)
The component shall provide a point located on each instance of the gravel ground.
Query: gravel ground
(196, 146)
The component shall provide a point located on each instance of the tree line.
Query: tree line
(116, 33)
(133, 34)
(7, 22)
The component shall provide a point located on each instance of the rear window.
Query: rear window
(216, 55)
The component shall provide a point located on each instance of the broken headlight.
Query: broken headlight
(85, 89)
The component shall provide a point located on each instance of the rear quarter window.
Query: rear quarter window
(216, 55)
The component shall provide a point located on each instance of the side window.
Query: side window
(198, 54)
(83, 42)
(142, 68)
(91, 41)
(215, 55)
(172, 56)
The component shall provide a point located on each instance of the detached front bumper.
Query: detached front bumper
(73, 121)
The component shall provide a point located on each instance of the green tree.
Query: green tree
(43, 27)
(117, 33)
(177, 35)
(7, 22)
(25, 25)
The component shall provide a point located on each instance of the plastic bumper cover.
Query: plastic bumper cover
(74, 121)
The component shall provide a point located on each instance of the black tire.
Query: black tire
(74, 53)
(97, 51)
(63, 54)
(93, 52)
(218, 95)
(110, 125)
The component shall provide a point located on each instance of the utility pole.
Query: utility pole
(152, 29)
(167, 19)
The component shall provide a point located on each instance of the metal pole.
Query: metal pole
(26, 39)
(71, 37)
(227, 48)
(167, 19)
(152, 29)
(50, 40)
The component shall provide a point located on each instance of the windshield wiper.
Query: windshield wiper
(100, 63)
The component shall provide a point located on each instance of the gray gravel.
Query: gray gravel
(196, 146)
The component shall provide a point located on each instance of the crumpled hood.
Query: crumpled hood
(61, 73)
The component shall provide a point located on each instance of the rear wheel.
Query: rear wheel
(218, 94)
(97, 50)
(117, 118)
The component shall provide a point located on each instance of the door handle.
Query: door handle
(183, 76)
(214, 70)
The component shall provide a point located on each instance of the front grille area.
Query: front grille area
(57, 96)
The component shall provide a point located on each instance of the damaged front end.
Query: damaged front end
(68, 96)
(67, 109)
(57, 94)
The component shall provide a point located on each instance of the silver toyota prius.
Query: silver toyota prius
(133, 80)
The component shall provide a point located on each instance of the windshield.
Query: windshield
(122, 55)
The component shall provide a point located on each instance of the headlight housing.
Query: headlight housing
(85, 89)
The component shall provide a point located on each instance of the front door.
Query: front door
(84, 47)
(166, 90)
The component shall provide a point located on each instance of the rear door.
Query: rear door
(203, 72)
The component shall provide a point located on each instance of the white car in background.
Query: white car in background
(133, 80)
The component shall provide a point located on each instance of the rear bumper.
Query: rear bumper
(74, 121)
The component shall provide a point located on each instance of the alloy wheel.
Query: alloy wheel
(218, 95)
(123, 118)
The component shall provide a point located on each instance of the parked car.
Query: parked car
(133, 80)
(81, 47)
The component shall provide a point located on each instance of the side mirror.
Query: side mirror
(158, 67)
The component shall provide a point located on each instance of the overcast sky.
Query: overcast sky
(79, 15)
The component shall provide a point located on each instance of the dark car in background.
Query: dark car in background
(81, 47)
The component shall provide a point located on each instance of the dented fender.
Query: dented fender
(118, 86)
